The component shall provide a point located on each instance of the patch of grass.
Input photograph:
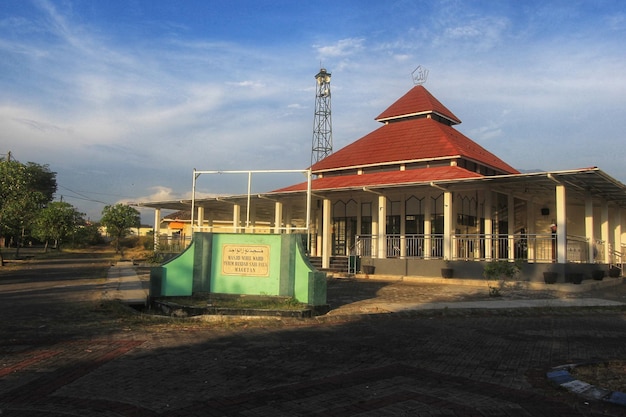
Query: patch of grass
(247, 302)
(610, 375)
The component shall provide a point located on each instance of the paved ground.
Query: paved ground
(67, 351)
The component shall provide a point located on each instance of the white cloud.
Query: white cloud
(341, 48)
(126, 116)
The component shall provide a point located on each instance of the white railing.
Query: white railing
(471, 247)
(173, 244)
(477, 247)
(617, 257)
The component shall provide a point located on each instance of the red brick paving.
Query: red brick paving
(411, 364)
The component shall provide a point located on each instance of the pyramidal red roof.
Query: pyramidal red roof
(416, 102)
(410, 140)
(412, 176)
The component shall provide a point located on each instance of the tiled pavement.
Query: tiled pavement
(445, 362)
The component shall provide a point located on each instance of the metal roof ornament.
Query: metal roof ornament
(419, 75)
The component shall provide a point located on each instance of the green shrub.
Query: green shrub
(500, 272)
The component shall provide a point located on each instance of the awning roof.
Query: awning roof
(578, 182)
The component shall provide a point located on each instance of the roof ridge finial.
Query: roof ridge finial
(419, 75)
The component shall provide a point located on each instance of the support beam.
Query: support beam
(200, 218)
(428, 228)
(510, 215)
(447, 225)
(319, 232)
(250, 217)
(278, 216)
(589, 226)
(327, 234)
(561, 224)
(382, 227)
(604, 230)
(531, 217)
(157, 228)
(488, 225)
(403, 228)
(617, 230)
(236, 218)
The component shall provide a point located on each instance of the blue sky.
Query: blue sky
(124, 98)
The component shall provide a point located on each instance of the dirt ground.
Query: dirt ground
(64, 351)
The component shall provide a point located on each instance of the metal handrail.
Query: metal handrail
(540, 247)
(471, 247)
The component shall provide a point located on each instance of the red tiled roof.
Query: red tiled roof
(412, 176)
(410, 140)
(417, 101)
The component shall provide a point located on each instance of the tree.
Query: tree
(118, 220)
(57, 222)
(87, 235)
(24, 190)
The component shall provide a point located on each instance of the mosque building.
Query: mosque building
(416, 195)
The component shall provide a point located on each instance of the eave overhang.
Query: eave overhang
(583, 183)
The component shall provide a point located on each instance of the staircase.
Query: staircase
(337, 263)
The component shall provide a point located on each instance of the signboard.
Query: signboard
(246, 260)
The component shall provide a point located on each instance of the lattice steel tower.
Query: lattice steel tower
(322, 123)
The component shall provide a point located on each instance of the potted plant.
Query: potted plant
(597, 274)
(575, 277)
(615, 272)
(447, 271)
(550, 277)
(368, 269)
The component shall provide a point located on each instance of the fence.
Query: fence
(530, 247)
(173, 244)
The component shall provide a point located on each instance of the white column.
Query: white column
(319, 230)
(251, 218)
(617, 230)
(488, 225)
(375, 237)
(428, 227)
(327, 235)
(589, 226)
(200, 218)
(604, 230)
(531, 216)
(287, 216)
(382, 227)
(359, 218)
(403, 227)
(157, 228)
(209, 221)
(236, 218)
(510, 207)
(278, 217)
(561, 224)
(447, 225)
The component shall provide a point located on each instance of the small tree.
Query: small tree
(118, 220)
(500, 272)
(24, 190)
(57, 222)
(87, 235)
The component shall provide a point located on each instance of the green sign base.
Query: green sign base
(251, 264)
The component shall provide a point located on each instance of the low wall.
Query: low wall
(429, 268)
(245, 264)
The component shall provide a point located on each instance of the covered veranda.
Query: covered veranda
(416, 228)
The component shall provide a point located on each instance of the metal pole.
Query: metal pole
(248, 205)
(193, 198)
(308, 210)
